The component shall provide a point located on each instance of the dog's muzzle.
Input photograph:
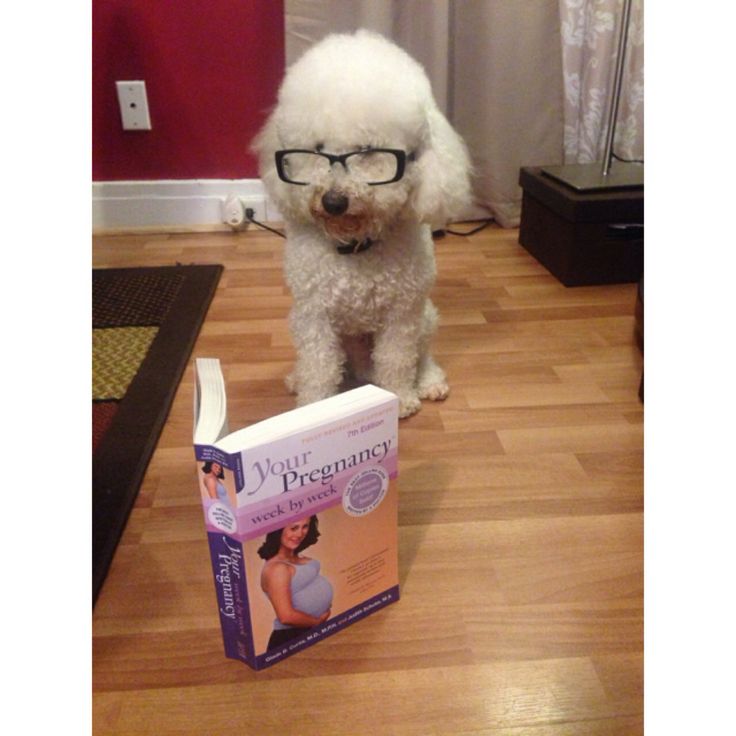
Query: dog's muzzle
(347, 229)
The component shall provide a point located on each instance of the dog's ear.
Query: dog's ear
(443, 178)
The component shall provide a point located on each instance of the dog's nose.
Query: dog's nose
(334, 202)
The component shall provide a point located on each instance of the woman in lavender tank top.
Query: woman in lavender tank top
(213, 474)
(301, 597)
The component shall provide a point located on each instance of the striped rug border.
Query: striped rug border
(121, 459)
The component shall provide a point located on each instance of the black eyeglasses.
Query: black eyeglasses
(371, 166)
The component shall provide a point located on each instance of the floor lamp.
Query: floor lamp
(608, 174)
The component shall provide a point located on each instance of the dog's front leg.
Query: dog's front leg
(395, 358)
(320, 358)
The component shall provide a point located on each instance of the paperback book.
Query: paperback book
(301, 513)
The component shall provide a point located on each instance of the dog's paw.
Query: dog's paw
(409, 405)
(435, 391)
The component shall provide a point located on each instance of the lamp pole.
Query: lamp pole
(617, 80)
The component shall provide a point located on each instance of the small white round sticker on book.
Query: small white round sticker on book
(365, 491)
(222, 518)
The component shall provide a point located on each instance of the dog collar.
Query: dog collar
(354, 246)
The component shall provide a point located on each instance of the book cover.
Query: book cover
(301, 513)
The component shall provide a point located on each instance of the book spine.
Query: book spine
(228, 569)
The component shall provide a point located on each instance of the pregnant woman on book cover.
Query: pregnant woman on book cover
(300, 596)
(213, 474)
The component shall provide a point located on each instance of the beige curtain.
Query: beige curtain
(590, 34)
(496, 71)
(507, 100)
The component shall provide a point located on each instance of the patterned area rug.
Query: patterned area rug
(145, 322)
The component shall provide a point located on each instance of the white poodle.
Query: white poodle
(361, 162)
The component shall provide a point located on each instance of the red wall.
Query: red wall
(212, 70)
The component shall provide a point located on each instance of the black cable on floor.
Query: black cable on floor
(249, 214)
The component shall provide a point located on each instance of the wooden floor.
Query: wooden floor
(521, 522)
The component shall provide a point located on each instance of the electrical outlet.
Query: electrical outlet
(133, 105)
(233, 212)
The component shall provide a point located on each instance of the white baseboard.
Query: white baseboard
(174, 205)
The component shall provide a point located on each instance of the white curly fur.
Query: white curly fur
(364, 315)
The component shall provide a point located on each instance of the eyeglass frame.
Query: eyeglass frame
(340, 158)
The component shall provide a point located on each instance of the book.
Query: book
(301, 515)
